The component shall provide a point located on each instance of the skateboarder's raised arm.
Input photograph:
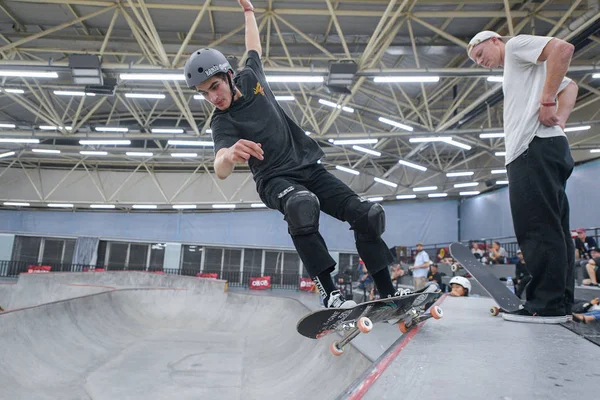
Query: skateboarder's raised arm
(252, 35)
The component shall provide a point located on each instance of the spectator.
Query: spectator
(477, 252)
(588, 312)
(397, 271)
(460, 286)
(420, 268)
(498, 254)
(583, 244)
(435, 276)
(365, 280)
(522, 276)
(592, 268)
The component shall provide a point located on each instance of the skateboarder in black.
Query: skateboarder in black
(249, 125)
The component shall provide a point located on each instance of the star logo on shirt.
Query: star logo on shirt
(259, 89)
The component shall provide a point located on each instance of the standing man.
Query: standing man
(538, 100)
(249, 126)
(420, 268)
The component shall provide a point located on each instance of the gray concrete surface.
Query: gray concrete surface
(470, 355)
(188, 340)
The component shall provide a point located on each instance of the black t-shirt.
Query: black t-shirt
(434, 277)
(584, 247)
(258, 117)
(521, 271)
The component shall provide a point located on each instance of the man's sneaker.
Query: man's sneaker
(336, 300)
(523, 315)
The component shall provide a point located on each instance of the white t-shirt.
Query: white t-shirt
(420, 259)
(523, 84)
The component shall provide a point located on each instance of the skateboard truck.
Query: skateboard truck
(363, 325)
(436, 312)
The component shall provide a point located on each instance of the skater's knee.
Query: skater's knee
(302, 213)
(370, 223)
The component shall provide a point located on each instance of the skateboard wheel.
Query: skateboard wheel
(454, 267)
(335, 349)
(437, 312)
(494, 311)
(364, 325)
(402, 326)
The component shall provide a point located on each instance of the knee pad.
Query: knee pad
(370, 223)
(302, 211)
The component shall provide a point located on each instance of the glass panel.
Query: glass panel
(101, 253)
(157, 256)
(52, 251)
(26, 249)
(191, 259)
(212, 260)
(118, 255)
(69, 250)
(138, 256)
(252, 261)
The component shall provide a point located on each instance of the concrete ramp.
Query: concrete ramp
(193, 342)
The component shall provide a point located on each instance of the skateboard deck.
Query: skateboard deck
(360, 319)
(502, 295)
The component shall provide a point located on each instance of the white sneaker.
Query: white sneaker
(336, 300)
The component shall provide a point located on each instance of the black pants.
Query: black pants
(335, 200)
(540, 212)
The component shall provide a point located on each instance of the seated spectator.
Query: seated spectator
(592, 268)
(498, 254)
(588, 312)
(460, 286)
(397, 272)
(365, 280)
(477, 252)
(435, 276)
(522, 276)
(583, 245)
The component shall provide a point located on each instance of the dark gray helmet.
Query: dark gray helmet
(204, 63)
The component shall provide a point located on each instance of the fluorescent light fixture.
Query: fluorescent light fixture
(111, 129)
(60, 205)
(28, 74)
(152, 77)
(470, 193)
(466, 184)
(190, 143)
(285, 98)
(465, 173)
(11, 140)
(184, 206)
(105, 206)
(93, 153)
(355, 141)
(348, 170)
(12, 126)
(384, 182)
(500, 153)
(495, 78)
(578, 128)
(396, 124)
(139, 154)
(406, 196)
(72, 93)
(501, 182)
(425, 139)
(8, 154)
(425, 188)
(144, 206)
(294, 79)
(145, 95)
(411, 165)
(15, 91)
(437, 195)
(54, 128)
(595, 151)
(166, 130)
(499, 171)
(491, 135)
(104, 142)
(16, 204)
(406, 79)
(375, 199)
(596, 76)
(368, 151)
(258, 205)
(229, 206)
(334, 105)
(184, 155)
(48, 151)
(199, 97)
(458, 144)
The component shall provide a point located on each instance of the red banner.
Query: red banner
(36, 269)
(307, 284)
(264, 282)
(207, 275)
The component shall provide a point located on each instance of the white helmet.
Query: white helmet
(462, 281)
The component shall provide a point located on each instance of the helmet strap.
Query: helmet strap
(231, 87)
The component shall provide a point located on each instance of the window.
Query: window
(53, 251)
(212, 261)
(273, 262)
(231, 265)
(252, 262)
(138, 257)
(26, 249)
(100, 261)
(191, 260)
(291, 263)
(157, 256)
(117, 255)
(38, 250)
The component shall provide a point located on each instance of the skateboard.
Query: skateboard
(507, 301)
(409, 309)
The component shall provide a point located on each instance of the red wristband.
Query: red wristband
(248, 9)
(548, 104)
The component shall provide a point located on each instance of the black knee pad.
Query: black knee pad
(370, 223)
(302, 211)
